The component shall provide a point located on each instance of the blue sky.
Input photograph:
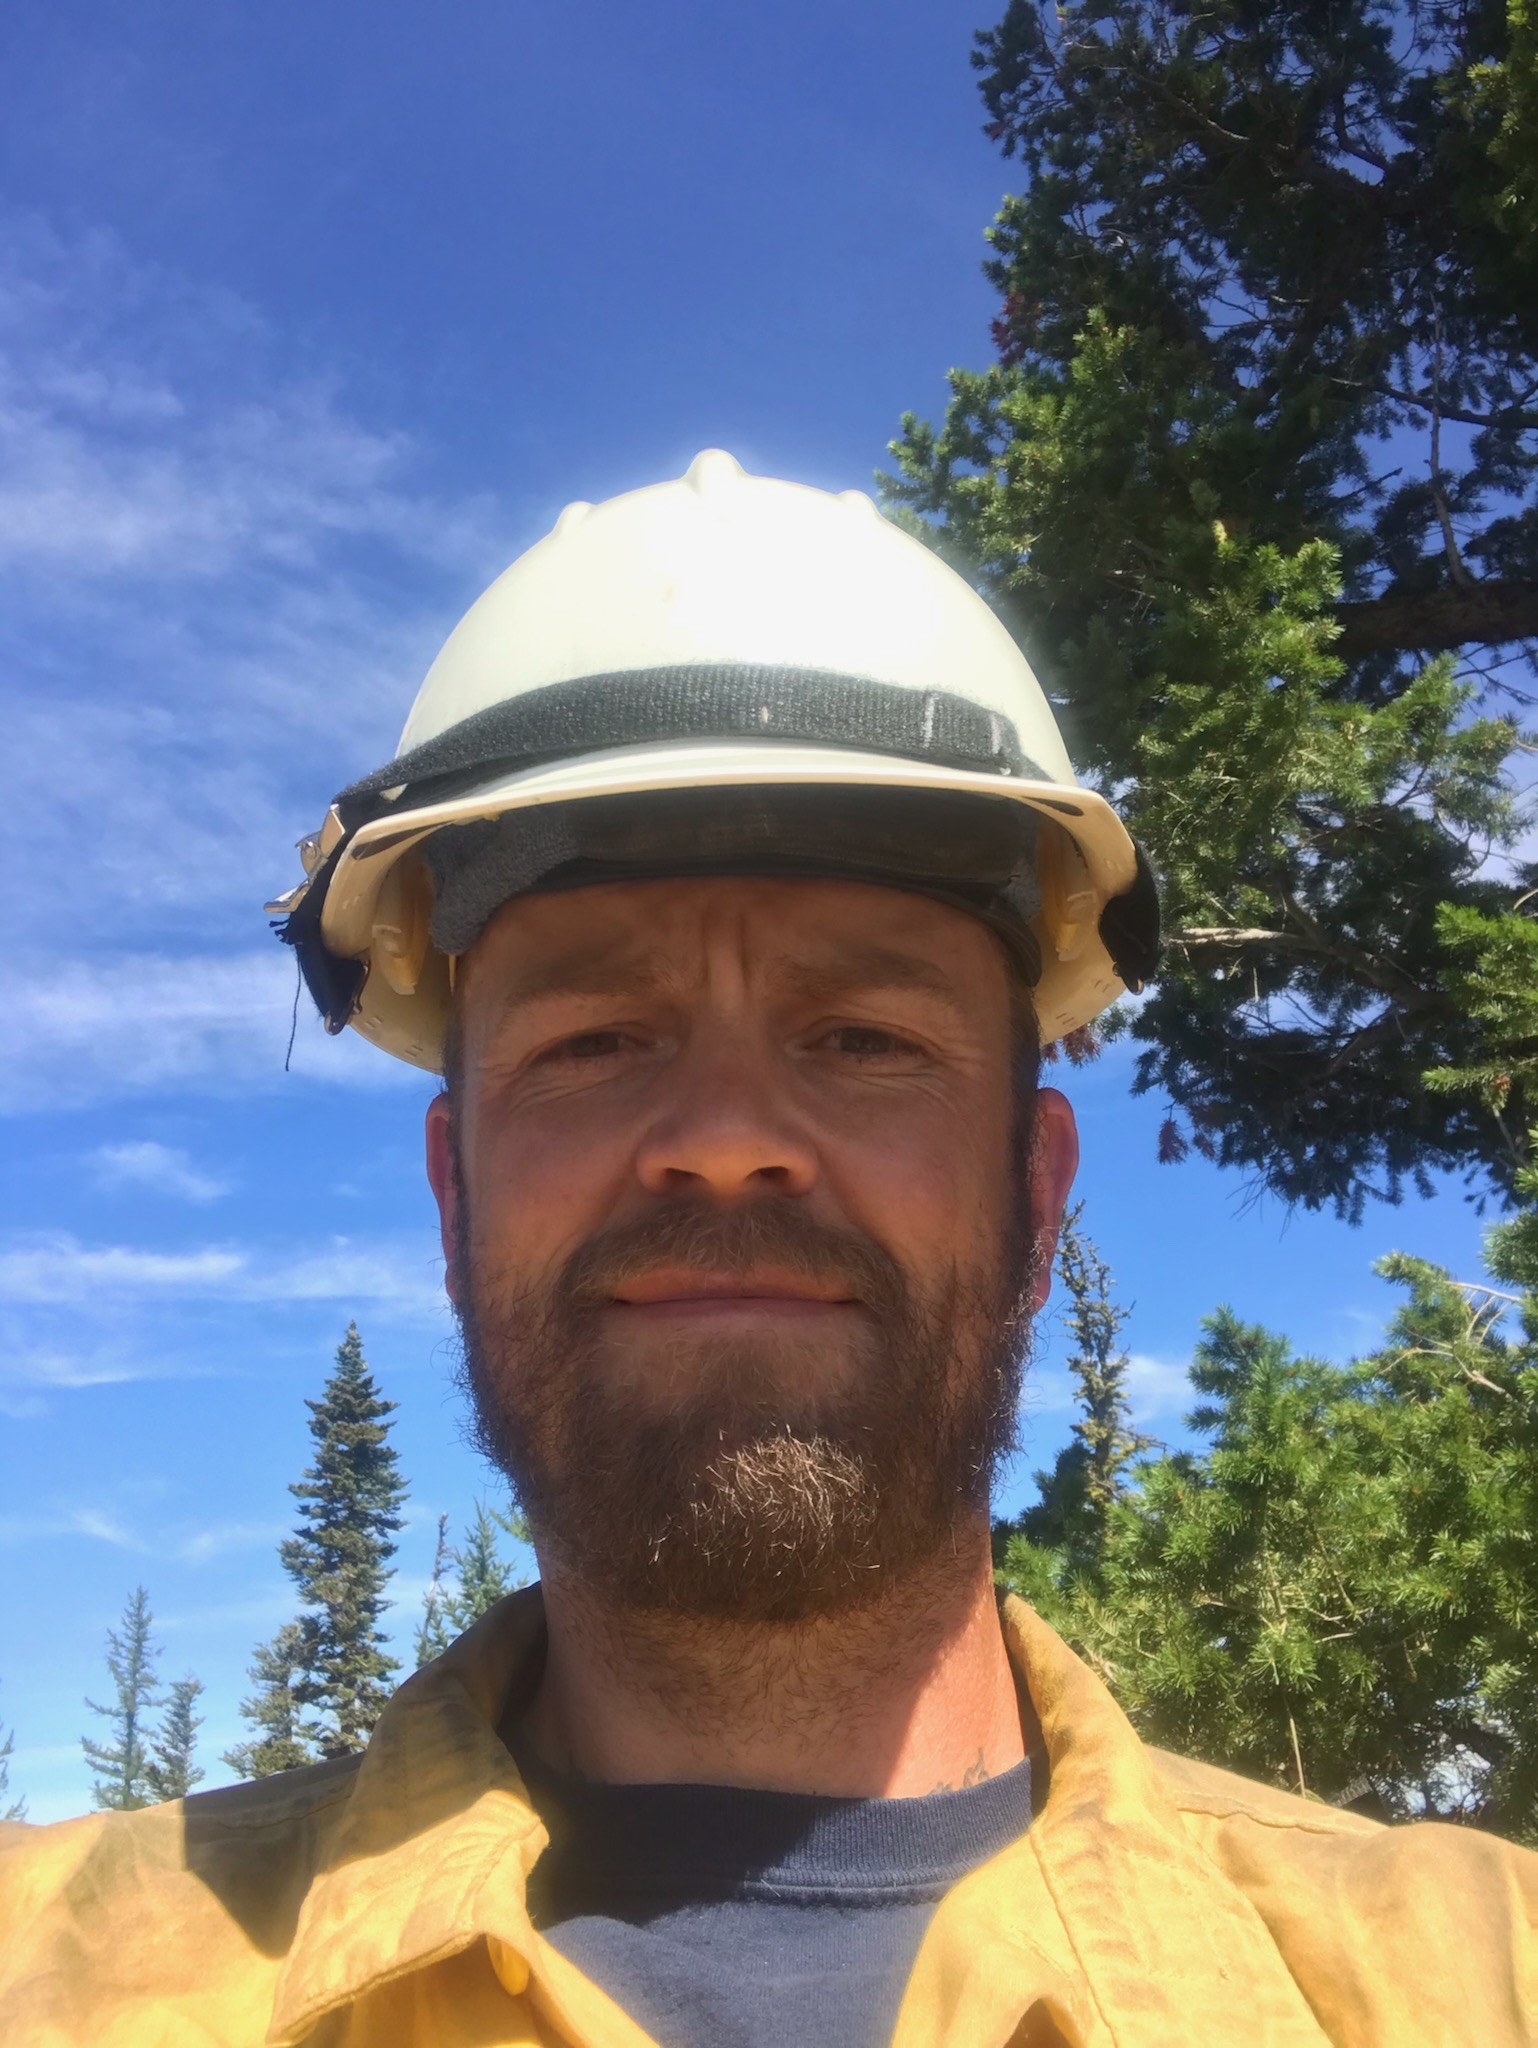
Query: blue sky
(310, 319)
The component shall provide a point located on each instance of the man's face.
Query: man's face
(740, 1232)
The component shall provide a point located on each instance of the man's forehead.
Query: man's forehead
(630, 935)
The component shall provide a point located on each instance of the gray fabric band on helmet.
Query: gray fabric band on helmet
(703, 700)
(975, 853)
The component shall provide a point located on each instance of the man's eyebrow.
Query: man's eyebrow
(863, 968)
(576, 975)
(853, 969)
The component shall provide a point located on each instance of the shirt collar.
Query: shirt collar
(1163, 1941)
(438, 1837)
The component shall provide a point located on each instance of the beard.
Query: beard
(757, 1489)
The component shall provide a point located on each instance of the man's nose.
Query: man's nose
(727, 1128)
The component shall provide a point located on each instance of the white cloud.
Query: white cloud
(105, 1528)
(58, 1268)
(168, 444)
(41, 1367)
(1368, 1328)
(408, 1278)
(74, 1032)
(407, 1592)
(1048, 1391)
(219, 586)
(29, 1370)
(101, 1525)
(55, 1268)
(1159, 1389)
(93, 1523)
(163, 1169)
(224, 1537)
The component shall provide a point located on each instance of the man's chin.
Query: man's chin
(754, 1523)
(779, 1373)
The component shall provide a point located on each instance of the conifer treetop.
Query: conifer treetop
(123, 1761)
(350, 1501)
(1254, 479)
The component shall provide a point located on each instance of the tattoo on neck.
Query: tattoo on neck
(974, 1774)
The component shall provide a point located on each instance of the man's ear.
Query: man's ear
(1054, 1162)
(444, 1182)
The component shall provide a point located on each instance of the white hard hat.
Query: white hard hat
(717, 632)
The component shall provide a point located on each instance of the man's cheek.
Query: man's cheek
(923, 1214)
(548, 1188)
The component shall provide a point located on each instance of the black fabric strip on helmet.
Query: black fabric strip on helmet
(696, 701)
(943, 843)
(1129, 927)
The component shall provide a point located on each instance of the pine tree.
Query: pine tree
(1337, 1593)
(1253, 480)
(1062, 1536)
(349, 1506)
(123, 1763)
(14, 1809)
(481, 1577)
(282, 1742)
(433, 1632)
(1493, 972)
(1456, 1433)
(1240, 1578)
(1511, 1248)
(1099, 1368)
(171, 1772)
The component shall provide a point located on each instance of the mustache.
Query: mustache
(732, 1244)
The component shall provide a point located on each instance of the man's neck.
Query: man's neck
(911, 1696)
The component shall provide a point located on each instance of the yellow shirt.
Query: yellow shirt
(379, 1903)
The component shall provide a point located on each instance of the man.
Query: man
(731, 871)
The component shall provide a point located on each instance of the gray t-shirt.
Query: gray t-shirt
(725, 1918)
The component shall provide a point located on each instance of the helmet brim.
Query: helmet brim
(1088, 856)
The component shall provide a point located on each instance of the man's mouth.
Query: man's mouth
(676, 1291)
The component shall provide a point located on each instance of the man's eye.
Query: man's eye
(869, 1042)
(588, 1045)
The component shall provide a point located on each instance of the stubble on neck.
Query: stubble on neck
(908, 1695)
